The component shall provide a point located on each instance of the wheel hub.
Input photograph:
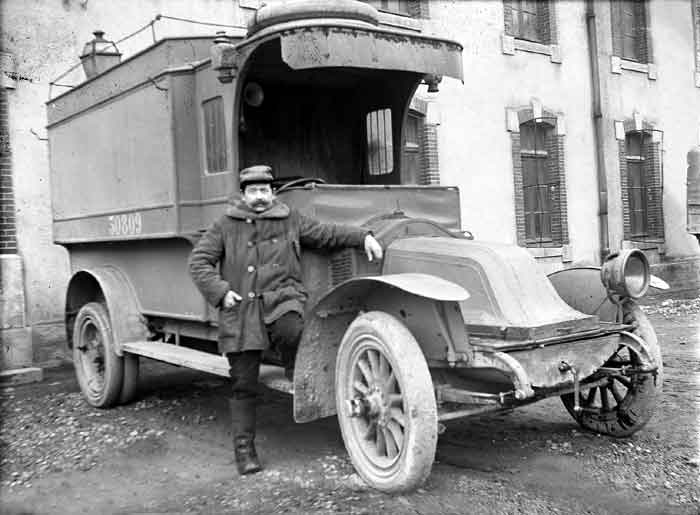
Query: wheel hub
(373, 406)
(375, 402)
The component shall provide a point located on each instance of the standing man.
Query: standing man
(247, 264)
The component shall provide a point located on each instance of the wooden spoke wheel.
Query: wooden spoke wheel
(99, 370)
(625, 403)
(386, 403)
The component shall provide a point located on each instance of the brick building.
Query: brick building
(569, 135)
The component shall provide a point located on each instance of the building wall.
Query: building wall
(475, 148)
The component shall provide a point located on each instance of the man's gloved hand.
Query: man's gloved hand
(373, 248)
(230, 299)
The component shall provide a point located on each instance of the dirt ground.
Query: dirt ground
(170, 451)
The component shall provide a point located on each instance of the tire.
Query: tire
(381, 371)
(624, 405)
(99, 370)
(131, 378)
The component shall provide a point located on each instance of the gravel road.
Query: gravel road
(169, 452)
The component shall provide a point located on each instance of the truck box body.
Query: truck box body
(124, 146)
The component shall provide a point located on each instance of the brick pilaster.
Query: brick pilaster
(8, 230)
(430, 171)
(519, 190)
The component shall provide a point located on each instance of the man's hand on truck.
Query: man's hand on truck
(230, 299)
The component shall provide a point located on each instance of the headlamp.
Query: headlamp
(626, 273)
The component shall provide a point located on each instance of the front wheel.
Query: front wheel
(385, 403)
(624, 404)
(100, 371)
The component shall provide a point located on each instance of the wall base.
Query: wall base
(680, 274)
(16, 348)
(49, 345)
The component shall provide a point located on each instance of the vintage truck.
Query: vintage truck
(144, 156)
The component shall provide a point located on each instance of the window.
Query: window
(630, 30)
(529, 20)
(215, 135)
(380, 147)
(641, 183)
(636, 183)
(537, 139)
(412, 8)
(396, 6)
(539, 186)
(412, 149)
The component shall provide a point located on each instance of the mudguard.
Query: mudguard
(110, 285)
(426, 304)
(582, 289)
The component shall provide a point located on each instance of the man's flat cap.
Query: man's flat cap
(255, 174)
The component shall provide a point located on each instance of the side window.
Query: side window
(411, 167)
(636, 182)
(539, 176)
(539, 185)
(215, 135)
(529, 20)
(630, 30)
(380, 146)
(641, 184)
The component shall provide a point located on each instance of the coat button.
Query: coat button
(251, 295)
(248, 221)
(251, 268)
(274, 240)
(250, 243)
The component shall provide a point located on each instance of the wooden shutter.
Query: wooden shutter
(654, 188)
(616, 18)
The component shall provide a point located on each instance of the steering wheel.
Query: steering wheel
(299, 182)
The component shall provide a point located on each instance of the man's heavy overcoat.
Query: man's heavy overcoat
(257, 255)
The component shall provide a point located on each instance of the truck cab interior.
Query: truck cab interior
(339, 125)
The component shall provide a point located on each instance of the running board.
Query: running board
(270, 375)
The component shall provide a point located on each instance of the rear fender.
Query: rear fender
(427, 305)
(109, 285)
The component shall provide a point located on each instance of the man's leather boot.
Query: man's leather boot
(243, 425)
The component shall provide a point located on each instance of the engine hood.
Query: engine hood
(509, 296)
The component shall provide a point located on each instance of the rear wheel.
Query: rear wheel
(386, 404)
(625, 403)
(99, 370)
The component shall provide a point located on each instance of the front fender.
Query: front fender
(426, 304)
(109, 285)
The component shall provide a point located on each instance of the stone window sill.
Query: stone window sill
(563, 251)
(510, 45)
(657, 244)
(617, 64)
